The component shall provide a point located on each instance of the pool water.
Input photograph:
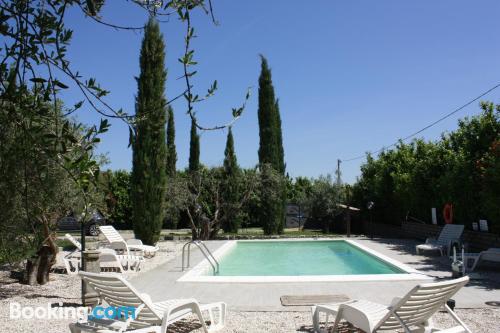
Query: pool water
(296, 258)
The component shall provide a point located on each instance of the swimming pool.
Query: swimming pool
(299, 260)
(275, 258)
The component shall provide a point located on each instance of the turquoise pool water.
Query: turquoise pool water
(296, 258)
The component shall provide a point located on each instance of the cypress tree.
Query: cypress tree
(171, 151)
(267, 118)
(272, 217)
(279, 141)
(281, 164)
(172, 212)
(230, 187)
(194, 149)
(193, 168)
(148, 179)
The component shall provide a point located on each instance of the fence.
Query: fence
(475, 240)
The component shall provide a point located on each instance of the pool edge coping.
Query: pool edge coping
(195, 274)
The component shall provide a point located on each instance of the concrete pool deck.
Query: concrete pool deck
(161, 283)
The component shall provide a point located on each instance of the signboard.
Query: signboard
(483, 225)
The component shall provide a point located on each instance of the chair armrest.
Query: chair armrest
(186, 304)
(356, 316)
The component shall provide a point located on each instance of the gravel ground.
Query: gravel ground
(65, 290)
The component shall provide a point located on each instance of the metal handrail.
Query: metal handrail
(204, 250)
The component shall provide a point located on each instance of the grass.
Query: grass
(65, 244)
(286, 232)
(253, 232)
(292, 232)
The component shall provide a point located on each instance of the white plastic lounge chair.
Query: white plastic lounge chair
(72, 260)
(74, 242)
(114, 290)
(109, 260)
(473, 260)
(117, 242)
(449, 234)
(412, 312)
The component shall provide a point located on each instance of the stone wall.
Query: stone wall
(383, 230)
(420, 230)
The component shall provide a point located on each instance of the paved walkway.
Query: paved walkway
(161, 283)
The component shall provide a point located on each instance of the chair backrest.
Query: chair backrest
(450, 232)
(74, 241)
(111, 234)
(113, 289)
(421, 303)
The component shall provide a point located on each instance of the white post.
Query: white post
(464, 261)
(434, 216)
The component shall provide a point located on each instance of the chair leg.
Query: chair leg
(316, 320)
(220, 322)
(337, 320)
(197, 312)
(474, 264)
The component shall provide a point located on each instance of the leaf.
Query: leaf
(78, 105)
(38, 80)
(91, 7)
(59, 84)
(103, 126)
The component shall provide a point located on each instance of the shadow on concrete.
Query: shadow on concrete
(437, 266)
(430, 261)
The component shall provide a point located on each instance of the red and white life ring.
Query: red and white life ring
(448, 213)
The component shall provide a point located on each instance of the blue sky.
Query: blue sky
(351, 76)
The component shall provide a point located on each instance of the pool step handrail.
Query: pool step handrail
(204, 250)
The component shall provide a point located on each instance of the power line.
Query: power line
(428, 126)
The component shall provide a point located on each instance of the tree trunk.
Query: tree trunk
(47, 253)
(194, 234)
(46, 259)
(214, 232)
(32, 270)
(38, 268)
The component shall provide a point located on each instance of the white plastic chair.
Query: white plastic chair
(108, 259)
(449, 234)
(72, 260)
(412, 312)
(117, 242)
(114, 290)
(490, 255)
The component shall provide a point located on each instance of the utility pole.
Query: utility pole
(338, 172)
